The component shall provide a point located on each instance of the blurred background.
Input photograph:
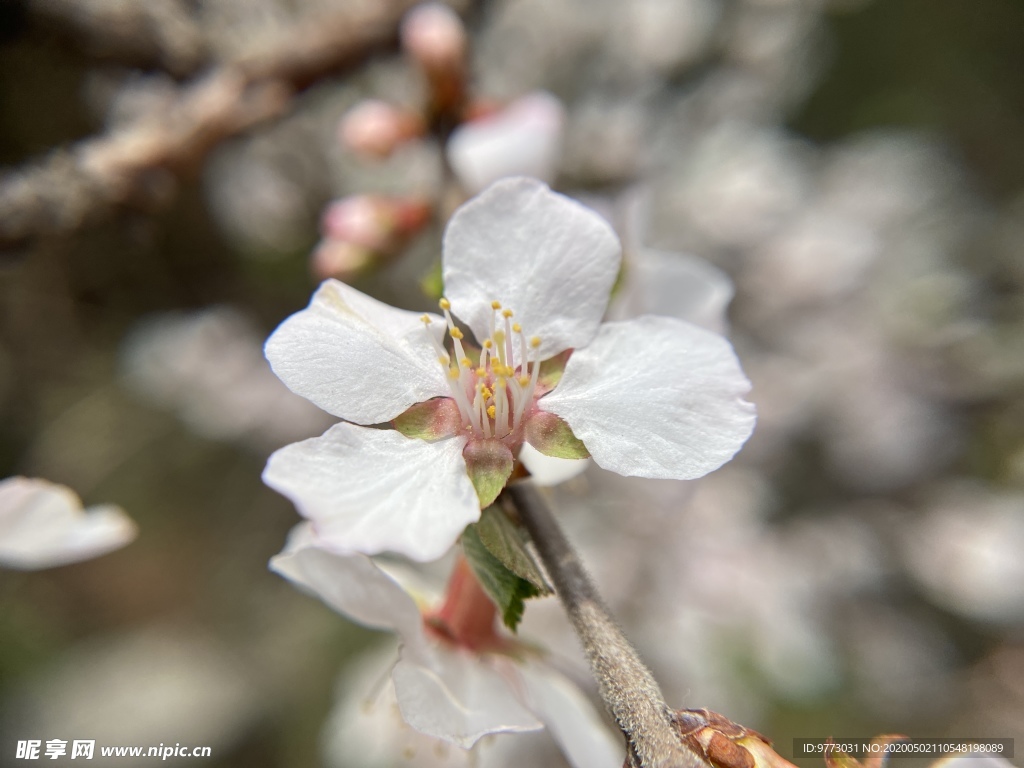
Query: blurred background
(856, 168)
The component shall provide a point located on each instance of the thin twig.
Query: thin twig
(136, 166)
(627, 687)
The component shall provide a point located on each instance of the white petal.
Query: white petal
(357, 357)
(585, 740)
(43, 524)
(675, 285)
(549, 470)
(524, 139)
(350, 584)
(656, 397)
(542, 255)
(458, 698)
(375, 490)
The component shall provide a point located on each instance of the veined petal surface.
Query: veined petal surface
(542, 255)
(375, 490)
(357, 358)
(458, 697)
(656, 397)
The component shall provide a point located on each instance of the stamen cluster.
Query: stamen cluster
(494, 394)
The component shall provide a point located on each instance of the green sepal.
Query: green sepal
(489, 463)
(432, 282)
(508, 591)
(430, 420)
(550, 435)
(551, 371)
(505, 541)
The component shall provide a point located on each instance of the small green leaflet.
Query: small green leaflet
(508, 591)
(505, 541)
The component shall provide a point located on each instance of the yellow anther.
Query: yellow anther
(445, 304)
(517, 327)
(535, 342)
(444, 360)
(453, 373)
(506, 313)
(488, 343)
(456, 333)
(481, 371)
(491, 410)
(486, 392)
(495, 305)
(499, 383)
(426, 320)
(524, 380)
(466, 362)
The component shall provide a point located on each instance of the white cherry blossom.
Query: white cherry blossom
(529, 272)
(452, 684)
(42, 525)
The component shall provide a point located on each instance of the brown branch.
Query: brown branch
(136, 166)
(627, 686)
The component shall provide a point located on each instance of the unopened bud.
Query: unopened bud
(374, 222)
(376, 128)
(723, 743)
(366, 220)
(434, 36)
(340, 260)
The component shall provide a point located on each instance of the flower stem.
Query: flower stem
(627, 686)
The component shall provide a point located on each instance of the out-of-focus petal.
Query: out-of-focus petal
(656, 397)
(675, 285)
(524, 139)
(586, 741)
(375, 490)
(357, 357)
(547, 470)
(458, 697)
(540, 254)
(43, 525)
(350, 584)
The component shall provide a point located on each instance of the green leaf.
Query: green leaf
(508, 591)
(505, 541)
(489, 463)
(550, 435)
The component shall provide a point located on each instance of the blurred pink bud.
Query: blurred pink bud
(341, 260)
(376, 128)
(434, 36)
(374, 222)
(365, 220)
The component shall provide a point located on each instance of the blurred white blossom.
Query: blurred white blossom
(450, 687)
(43, 525)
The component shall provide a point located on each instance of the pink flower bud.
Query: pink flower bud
(373, 222)
(341, 260)
(377, 128)
(434, 36)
